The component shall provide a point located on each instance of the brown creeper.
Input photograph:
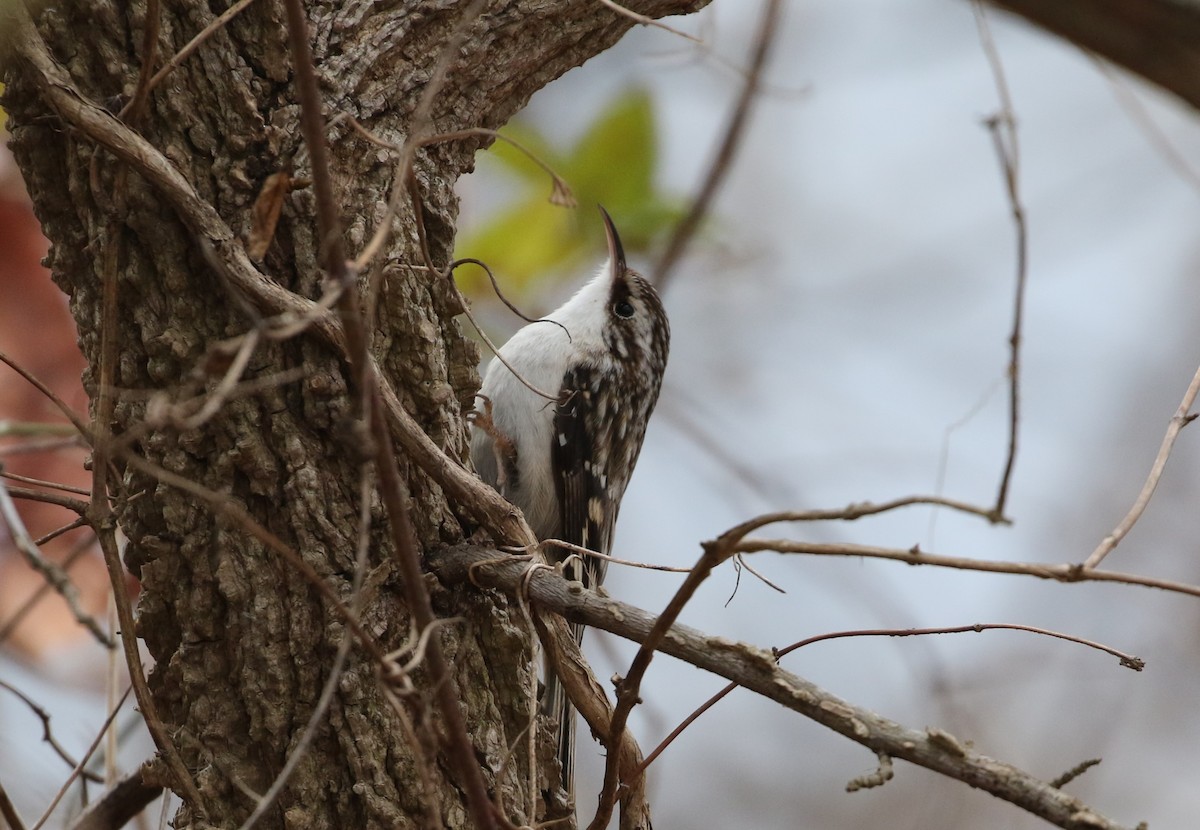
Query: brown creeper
(565, 464)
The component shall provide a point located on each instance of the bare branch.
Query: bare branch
(118, 805)
(862, 509)
(51, 572)
(915, 556)
(24, 429)
(8, 811)
(41, 387)
(755, 669)
(47, 734)
(75, 773)
(1003, 127)
(26, 494)
(1129, 661)
(1179, 420)
(648, 21)
(145, 88)
(10, 625)
(54, 485)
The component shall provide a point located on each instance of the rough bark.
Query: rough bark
(242, 644)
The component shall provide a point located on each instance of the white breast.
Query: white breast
(540, 352)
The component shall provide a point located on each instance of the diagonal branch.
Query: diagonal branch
(1182, 417)
(54, 574)
(756, 670)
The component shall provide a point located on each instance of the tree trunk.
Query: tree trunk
(242, 643)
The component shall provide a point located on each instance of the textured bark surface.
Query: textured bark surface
(243, 645)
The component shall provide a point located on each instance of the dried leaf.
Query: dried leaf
(265, 215)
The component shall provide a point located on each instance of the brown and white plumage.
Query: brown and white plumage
(566, 464)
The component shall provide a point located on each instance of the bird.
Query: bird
(566, 461)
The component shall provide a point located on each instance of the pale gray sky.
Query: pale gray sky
(854, 306)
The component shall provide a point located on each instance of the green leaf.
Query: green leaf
(612, 164)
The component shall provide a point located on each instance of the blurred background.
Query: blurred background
(840, 333)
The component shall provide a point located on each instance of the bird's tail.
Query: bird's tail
(556, 705)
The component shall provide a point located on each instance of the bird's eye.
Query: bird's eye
(623, 309)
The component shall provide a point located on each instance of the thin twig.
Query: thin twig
(112, 683)
(51, 572)
(859, 510)
(768, 28)
(500, 295)
(582, 551)
(1137, 112)
(10, 625)
(102, 519)
(418, 128)
(54, 485)
(1179, 420)
(739, 561)
(560, 191)
(44, 445)
(26, 494)
(190, 47)
(75, 773)
(100, 513)
(1003, 127)
(43, 388)
(226, 386)
(686, 722)
(119, 804)
(649, 21)
(59, 531)
(47, 734)
(132, 111)
(24, 429)
(914, 556)
(483, 335)
(1129, 661)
